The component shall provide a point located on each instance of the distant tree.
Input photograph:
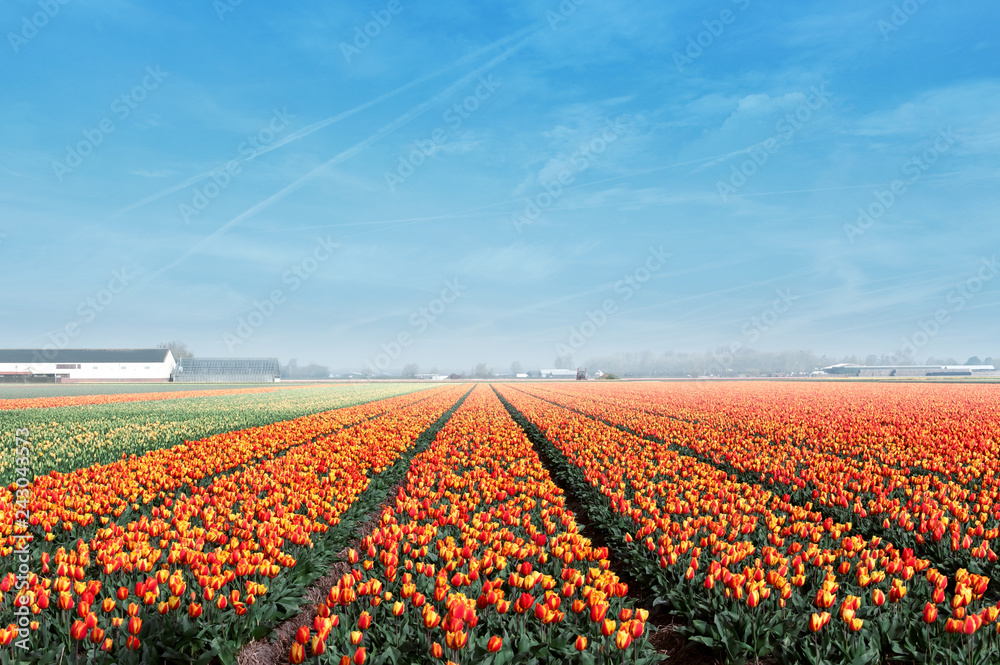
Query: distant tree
(311, 371)
(515, 367)
(609, 377)
(410, 370)
(563, 362)
(974, 360)
(178, 349)
(483, 372)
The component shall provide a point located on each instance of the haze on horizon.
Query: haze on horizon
(488, 184)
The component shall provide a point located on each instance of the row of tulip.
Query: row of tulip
(755, 573)
(478, 560)
(951, 519)
(64, 439)
(67, 506)
(13, 404)
(217, 563)
(923, 427)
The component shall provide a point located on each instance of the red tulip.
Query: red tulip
(930, 613)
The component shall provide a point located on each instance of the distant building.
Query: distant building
(85, 365)
(850, 369)
(558, 373)
(227, 370)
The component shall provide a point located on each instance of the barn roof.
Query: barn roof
(83, 355)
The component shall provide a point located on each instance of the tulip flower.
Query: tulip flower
(608, 627)
(817, 621)
(930, 613)
(78, 631)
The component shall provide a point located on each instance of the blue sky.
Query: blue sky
(490, 182)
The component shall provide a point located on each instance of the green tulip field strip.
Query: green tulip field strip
(64, 439)
(234, 556)
(951, 525)
(772, 567)
(477, 560)
(65, 507)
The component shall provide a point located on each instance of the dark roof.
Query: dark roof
(83, 355)
(229, 365)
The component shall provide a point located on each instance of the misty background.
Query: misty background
(636, 188)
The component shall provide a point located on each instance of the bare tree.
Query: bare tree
(410, 370)
(564, 362)
(483, 372)
(515, 367)
(178, 349)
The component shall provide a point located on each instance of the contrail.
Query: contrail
(316, 126)
(343, 156)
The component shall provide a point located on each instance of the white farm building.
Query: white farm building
(82, 365)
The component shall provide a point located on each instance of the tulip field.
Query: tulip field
(778, 522)
(69, 433)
